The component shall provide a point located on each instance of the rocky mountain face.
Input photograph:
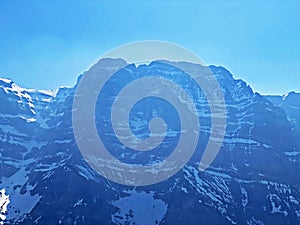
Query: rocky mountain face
(253, 180)
(291, 105)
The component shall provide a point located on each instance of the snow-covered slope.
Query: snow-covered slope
(44, 179)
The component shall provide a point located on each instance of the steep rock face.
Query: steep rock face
(290, 103)
(46, 181)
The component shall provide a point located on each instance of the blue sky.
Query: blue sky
(46, 44)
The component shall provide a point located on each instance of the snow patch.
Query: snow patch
(4, 201)
(294, 153)
(275, 204)
(5, 80)
(244, 197)
(255, 221)
(20, 203)
(139, 208)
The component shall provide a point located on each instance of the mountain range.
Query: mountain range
(44, 179)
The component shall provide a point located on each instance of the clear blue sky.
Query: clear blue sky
(46, 44)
